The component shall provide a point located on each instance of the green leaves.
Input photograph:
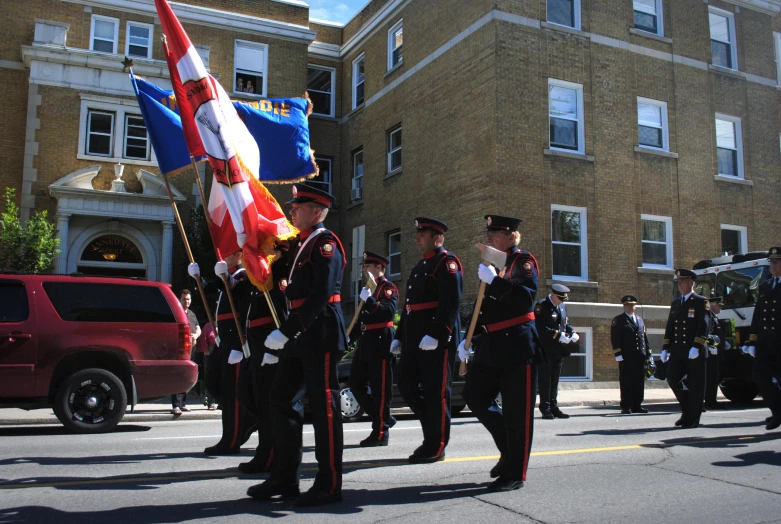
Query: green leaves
(26, 247)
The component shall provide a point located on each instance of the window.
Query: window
(722, 38)
(82, 302)
(100, 133)
(104, 34)
(358, 79)
(734, 239)
(136, 139)
(139, 40)
(657, 240)
(250, 62)
(394, 253)
(323, 179)
(565, 111)
(320, 86)
(648, 16)
(729, 146)
(652, 124)
(394, 149)
(570, 251)
(111, 129)
(564, 12)
(395, 40)
(13, 301)
(578, 365)
(777, 46)
(356, 191)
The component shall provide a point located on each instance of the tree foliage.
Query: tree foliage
(26, 247)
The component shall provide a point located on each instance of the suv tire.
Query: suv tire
(91, 401)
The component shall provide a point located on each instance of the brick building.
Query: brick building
(631, 136)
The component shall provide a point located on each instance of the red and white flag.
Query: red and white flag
(244, 213)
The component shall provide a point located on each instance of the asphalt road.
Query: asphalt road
(598, 466)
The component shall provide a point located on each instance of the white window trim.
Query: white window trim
(125, 137)
(247, 43)
(332, 111)
(330, 171)
(777, 47)
(151, 29)
(390, 133)
(580, 113)
(743, 235)
(120, 107)
(738, 142)
(354, 178)
(668, 224)
(355, 62)
(583, 242)
(115, 21)
(577, 17)
(391, 253)
(391, 43)
(587, 345)
(658, 14)
(733, 40)
(665, 127)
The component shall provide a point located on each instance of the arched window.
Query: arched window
(112, 255)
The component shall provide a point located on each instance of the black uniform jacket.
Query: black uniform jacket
(315, 323)
(375, 324)
(506, 326)
(433, 299)
(259, 319)
(629, 340)
(766, 323)
(241, 288)
(551, 324)
(687, 326)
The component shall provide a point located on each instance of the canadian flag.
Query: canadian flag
(244, 213)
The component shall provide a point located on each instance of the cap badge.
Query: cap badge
(488, 221)
(295, 191)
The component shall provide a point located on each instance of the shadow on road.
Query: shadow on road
(768, 457)
(723, 441)
(51, 431)
(671, 427)
(106, 459)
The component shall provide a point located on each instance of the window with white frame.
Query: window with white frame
(734, 239)
(395, 41)
(729, 146)
(777, 46)
(565, 116)
(323, 179)
(652, 124)
(358, 80)
(139, 40)
(394, 149)
(100, 133)
(564, 12)
(657, 240)
(356, 191)
(104, 34)
(648, 16)
(722, 38)
(578, 366)
(320, 86)
(394, 254)
(136, 138)
(569, 242)
(250, 64)
(113, 129)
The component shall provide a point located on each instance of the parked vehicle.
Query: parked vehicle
(88, 346)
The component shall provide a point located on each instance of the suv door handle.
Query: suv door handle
(16, 335)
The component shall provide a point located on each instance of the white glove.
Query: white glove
(194, 269)
(276, 340)
(727, 345)
(221, 269)
(713, 349)
(245, 349)
(463, 353)
(268, 358)
(619, 358)
(395, 347)
(751, 350)
(365, 293)
(665, 355)
(486, 273)
(564, 339)
(694, 353)
(574, 337)
(348, 339)
(235, 357)
(428, 343)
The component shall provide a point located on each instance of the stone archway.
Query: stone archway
(114, 228)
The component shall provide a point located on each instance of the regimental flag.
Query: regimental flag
(256, 217)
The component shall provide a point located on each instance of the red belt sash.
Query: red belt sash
(294, 304)
(421, 306)
(225, 316)
(504, 324)
(381, 325)
(261, 321)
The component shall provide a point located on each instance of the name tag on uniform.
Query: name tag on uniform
(691, 313)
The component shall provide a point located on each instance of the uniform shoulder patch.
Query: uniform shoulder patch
(615, 321)
(538, 308)
(282, 284)
(389, 292)
(452, 267)
(527, 268)
(327, 248)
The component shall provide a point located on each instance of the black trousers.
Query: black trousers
(316, 374)
(767, 366)
(689, 392)
(512, 426)
(712, 365)
(378, 376)
(222, 380)
(631, 377)
(179, 400)
(548, 374)
(254, 393)
(425, 382)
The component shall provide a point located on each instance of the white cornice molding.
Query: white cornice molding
(324, 50)
(92, 59)
(208, 17)
(769, 7)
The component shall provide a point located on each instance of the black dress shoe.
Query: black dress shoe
(639, 410)
(271, 488)
(497, 469)
(679, 422)
(373, 441)
(220, 450)
(426, 457)
(774, 422)
(690, 426)
(559, 413)
(315, 497)
(625, 412)
(254, 466)
(768, 419)
(548, 415)
(501, 484)
(391, 422)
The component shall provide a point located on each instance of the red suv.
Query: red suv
(88, 346)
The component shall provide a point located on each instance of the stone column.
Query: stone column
(61, 262)
(167, 253)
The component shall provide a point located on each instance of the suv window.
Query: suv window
(85, 302)
(13, 301)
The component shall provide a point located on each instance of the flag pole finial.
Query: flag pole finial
(127, 64)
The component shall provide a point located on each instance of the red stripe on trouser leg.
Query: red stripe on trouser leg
(382, 404)
(527, 415)
(330, 412)
(235, 409)
(443, 401)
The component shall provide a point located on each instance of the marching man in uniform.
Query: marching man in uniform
(632, 352)
(429, 332)
(716, 356)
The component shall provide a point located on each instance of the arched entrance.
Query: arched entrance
(112, 255)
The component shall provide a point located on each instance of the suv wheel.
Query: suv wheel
(91, 401)
(351, 410)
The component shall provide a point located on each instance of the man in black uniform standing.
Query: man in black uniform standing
(312, 340)
(506, 354)
(429, 332)
(685, 338)
(556, 334)
(371, 365)
(715, 355)
(632, 352)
